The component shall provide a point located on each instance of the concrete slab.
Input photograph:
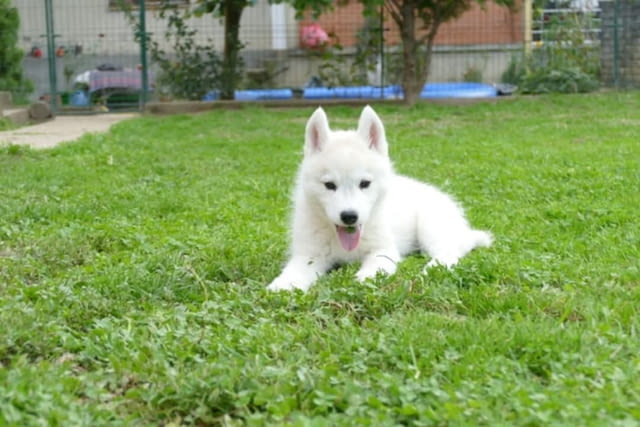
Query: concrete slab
(18, 116)
(6, 100)
(62, 129)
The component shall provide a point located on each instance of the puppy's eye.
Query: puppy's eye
(365, 184)
(330, 186)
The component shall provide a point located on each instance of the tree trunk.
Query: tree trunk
(416, 66)
(230, 73)
(410, 64)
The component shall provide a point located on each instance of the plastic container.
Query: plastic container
(79, 98)
(430, 90)
(348, 92)
(253, 95)
(458, 90)
(263, 94)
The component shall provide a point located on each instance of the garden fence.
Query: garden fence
(91, 54)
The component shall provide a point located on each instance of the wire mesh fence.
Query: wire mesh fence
(91, 55)
(87, 37)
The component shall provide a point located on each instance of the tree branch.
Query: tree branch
(393, 7)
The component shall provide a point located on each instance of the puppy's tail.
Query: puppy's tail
(481, 238)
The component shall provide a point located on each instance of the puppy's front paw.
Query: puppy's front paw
(283, 283)
(280, 285)
(446, 262)
(364, 274)
(378, 264)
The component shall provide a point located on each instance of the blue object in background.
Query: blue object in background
(430, 90)
(213, 95)
(458, 90)
(79, 98)
(263, 94)
(352, 92)
(252, 95)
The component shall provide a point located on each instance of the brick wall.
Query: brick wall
(489, 24)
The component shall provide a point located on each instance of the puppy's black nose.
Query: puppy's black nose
(349, 217)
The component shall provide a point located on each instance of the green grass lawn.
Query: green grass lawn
(5, 124)
(133, 268)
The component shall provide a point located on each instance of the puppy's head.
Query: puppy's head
(346, 172)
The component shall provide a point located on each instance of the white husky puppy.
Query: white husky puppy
(349, 205)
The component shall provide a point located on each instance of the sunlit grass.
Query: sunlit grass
(133, 268)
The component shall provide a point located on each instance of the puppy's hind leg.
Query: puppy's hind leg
(447, 243)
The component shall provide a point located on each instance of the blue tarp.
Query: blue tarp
(431, 90)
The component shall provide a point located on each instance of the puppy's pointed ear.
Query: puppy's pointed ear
(317, 132)
(371, 130)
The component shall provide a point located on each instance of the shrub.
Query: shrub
(515, 71)
(341, 69)
(11, 77)
(564, 62)
(192, 69)
(560, 80)
(472, 74)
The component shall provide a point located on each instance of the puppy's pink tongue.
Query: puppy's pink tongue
(349, 237)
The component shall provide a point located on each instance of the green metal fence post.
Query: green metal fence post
(616, 45)
(142, 33)
(51, 53)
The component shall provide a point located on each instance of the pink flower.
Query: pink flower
(313, 36)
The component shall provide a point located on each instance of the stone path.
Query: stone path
(62, 129)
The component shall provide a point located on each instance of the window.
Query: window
(566, 18)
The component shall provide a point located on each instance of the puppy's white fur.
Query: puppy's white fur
(347, 190)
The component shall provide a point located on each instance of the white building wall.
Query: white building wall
(100, 30)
